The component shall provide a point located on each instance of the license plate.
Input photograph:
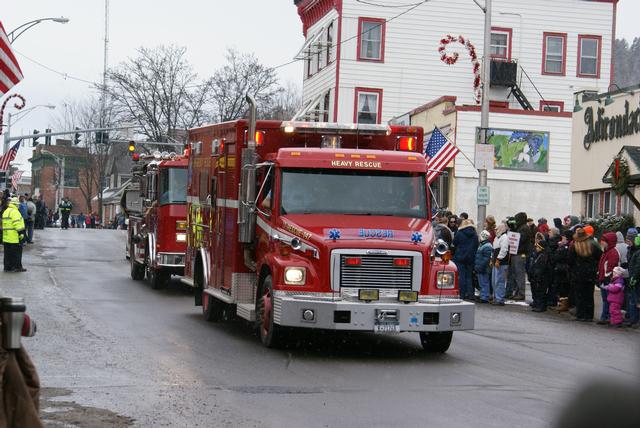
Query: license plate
(386, 328)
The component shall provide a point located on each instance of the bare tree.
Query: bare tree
(242, 74)
(158, 90)
(91, 165)
(285, 104)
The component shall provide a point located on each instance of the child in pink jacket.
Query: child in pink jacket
(615, 296)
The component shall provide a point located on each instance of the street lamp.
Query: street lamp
(19, 116)
(24, 27)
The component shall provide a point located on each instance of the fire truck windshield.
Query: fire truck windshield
(357, 192)
(173, 186)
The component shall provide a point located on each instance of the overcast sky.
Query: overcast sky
(269, 28)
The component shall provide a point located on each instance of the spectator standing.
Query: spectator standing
(93, 220)
(559, 291)
(615, 296)
(632, 291)
(31, 219)
(81, 220)
(609, 259)
(557, 222)
(543, 227)
(584, 254)
(440, 228)
(500, 264)
(465, 242)
(490, 226)
(13, 235)
(622, 248)
(22, 207)
(453, 223)
(540, 273)
(517, 274)
(482, 265)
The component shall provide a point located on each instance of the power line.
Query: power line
(324, 49)
(60, 73)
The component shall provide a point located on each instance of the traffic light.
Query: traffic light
(47, 138)
(76, 137)
(102, 137)
(35, 137)
(132, 147)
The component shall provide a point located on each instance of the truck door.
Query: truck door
(218, 197)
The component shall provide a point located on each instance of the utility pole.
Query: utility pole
(484, 115)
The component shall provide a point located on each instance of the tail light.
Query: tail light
(353, 261)
(407, 144)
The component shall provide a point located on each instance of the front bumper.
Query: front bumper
(347, 315)
(170, 260)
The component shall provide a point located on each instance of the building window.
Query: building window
(440, 190)
(501, 43)
(71, 178)
(325, 106)
(554, 53)
(368, 105)
(593, 204)
(371, 39)
(609, 203)
(329, 46)
(589, 53)
(555, 106)
(626, 206)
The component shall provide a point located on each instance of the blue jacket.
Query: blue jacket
(23, 210)
(483, 255)
(465, 242)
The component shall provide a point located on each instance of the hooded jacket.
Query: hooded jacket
(615, 290)
(526, 237)
(483, 257)
(609, 259)
(465, 242)
(12, 224)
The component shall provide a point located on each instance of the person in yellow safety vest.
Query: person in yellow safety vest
(13, 235)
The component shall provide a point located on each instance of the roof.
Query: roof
(632, 155)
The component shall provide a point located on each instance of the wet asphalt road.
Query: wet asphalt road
(110, 352)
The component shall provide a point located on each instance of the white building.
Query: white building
(376, 60)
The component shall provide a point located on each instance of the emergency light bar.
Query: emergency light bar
(334, 128)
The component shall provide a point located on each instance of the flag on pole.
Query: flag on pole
(15, 178)
(8, 157)
(439, 152)
(10, 73)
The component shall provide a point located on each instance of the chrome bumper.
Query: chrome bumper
(173, 260)
(347, 315)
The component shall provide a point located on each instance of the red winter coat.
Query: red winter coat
(610, 258)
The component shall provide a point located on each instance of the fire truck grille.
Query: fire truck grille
(379, 271)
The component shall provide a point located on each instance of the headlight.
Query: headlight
(181, 237)
(446, 280)
(294, 275)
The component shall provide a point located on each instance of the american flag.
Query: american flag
(439, 152)
(15, 178)
(10, 73)
(8, 157)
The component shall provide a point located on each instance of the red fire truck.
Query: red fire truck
(156, 205)
(318, 225)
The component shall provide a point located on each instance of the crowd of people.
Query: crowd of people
(564, 264)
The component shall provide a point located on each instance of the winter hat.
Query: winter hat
(589, 230)
(581, 235)
(619, 237)
(618, 271)
(485, 235)
(632, 232)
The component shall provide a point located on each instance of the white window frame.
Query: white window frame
(595, 58)
(562, 54)
(506, 45)
(593, 205)
(375, 106)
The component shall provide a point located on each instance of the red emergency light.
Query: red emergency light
(353, 261)
(135, 157)
(259, 138)
(407, 144)
(402, 262)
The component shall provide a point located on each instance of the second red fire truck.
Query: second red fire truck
(318, 225)
(156, 205)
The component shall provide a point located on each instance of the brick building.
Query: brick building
(79, 184)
